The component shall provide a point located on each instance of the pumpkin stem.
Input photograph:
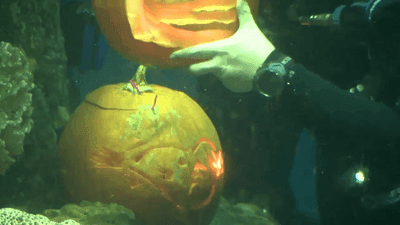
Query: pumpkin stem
(140, 81)
(140, 76)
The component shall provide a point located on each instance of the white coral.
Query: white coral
(11, 216)
(16, 80)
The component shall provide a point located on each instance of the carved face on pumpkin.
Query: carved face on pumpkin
(164, 162)
(148, 31)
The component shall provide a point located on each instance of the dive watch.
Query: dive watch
(271, 77)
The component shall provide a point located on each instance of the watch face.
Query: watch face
(263, 81)
(270, 84)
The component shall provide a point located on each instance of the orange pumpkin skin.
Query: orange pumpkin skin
(148, 31)
(161, 163)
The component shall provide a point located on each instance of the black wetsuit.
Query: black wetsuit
(358, 150)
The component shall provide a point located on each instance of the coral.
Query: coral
(16, 80)
(93, 213)
(241, 213)
(61, 118)
(11, 216)
(34, 26)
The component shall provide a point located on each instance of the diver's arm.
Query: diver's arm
(325, 108)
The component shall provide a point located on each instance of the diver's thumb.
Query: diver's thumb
(244, 12)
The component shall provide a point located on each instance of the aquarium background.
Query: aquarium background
(261, 141)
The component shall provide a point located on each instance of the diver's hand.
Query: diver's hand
(234, 60)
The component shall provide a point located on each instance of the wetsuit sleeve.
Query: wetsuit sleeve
(353, 134)
(321, 106)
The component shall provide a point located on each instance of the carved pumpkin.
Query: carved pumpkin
(148, 31)
(162, 161)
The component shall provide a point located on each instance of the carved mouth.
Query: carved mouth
(103, 158)
(147, 178)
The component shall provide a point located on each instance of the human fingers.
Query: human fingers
(201, 51)
(210, 66)
(193, 53)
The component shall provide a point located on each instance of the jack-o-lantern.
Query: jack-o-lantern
(148, 31)
(146, 147)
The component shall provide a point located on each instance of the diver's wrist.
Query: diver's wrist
(273, 75)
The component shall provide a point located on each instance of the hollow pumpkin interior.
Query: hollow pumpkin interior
(148, 31)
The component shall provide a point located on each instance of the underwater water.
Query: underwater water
(301, 179)
(324, 150)
(117, 69)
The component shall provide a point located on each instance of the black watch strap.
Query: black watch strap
(276, 57)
